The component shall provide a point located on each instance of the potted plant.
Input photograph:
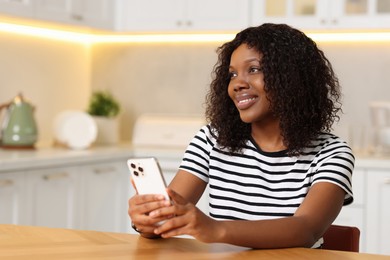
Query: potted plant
(105, 109)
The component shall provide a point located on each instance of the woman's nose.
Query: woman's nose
(240, 83)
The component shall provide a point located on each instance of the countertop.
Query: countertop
(15, 160)
(27, 242)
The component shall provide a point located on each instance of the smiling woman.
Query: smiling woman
(267, 154)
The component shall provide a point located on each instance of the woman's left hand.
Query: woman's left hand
(187, 220)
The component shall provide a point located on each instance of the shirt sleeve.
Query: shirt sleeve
(336, 166)
(197, 155)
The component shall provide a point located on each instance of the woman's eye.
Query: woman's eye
(254, 69)
(232, 74)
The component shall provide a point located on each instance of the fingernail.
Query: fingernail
(152, 214)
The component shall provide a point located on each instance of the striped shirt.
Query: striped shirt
(255, 185)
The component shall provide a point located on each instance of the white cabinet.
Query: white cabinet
(323, 14)
(378, 211)
(12, 187)
(53, 197)
(183, 15)
(17, 7)
(93, 13)
(370, 211)
(106, 190)
(90, 13)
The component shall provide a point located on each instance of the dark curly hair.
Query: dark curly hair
(300, 83)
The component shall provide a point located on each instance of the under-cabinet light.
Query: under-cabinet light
(54, 34)
(92, 38)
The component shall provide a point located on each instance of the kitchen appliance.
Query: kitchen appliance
(166, 138)
(380, 118)
(19, 129)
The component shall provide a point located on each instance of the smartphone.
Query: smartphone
(147, 176)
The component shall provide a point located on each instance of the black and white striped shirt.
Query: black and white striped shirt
(255, 185)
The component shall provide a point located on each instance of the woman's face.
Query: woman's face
(246, 86)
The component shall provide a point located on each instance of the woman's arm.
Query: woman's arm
(188, 186)
(318, 210)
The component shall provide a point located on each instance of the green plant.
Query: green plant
(102, 103)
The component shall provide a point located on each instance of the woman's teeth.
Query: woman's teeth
(246, 100)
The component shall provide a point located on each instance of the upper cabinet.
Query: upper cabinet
(183, 15)
(163, 16)
(90, 13)
(17, 7)
(323, 14)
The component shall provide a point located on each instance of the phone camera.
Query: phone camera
(132, 165)
(136, 173)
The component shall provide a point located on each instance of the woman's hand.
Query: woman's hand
(139, 208)
(185, 219)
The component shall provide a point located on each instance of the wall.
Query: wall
(172, 78)
(154, 78)
(53, 75)
(163, 78)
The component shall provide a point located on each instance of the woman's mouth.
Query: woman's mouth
(245, 103)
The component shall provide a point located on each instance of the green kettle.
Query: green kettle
(19, 129)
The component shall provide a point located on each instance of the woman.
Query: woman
(277, 176)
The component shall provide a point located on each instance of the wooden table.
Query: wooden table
(26, 242)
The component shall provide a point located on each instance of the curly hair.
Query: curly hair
(299, 81)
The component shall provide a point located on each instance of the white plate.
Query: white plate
(75, 129)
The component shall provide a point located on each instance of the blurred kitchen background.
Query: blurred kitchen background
(57, 53)
(173, 77)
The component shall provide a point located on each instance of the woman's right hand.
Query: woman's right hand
(139, 208)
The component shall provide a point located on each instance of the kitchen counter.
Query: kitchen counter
(16, 160)
(27, 242)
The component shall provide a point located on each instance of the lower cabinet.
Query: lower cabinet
(53, 197)
(105, 194)
(378, 211)
(89, 196)
(12, 188)
(370, 211)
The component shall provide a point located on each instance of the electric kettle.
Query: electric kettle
(19, 129)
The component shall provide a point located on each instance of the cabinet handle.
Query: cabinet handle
(179, 23)
(189, 23)
(104, 170)
(56, 176)
(77, 17)
(6, 183)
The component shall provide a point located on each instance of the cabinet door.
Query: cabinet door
(12, 186)
(221, 15)
(53, 199)
(378, 212)
(105, 193)
(96, 13)
(17, 7)
(151, 15)
(358, 14)
(301, 14)
(56, 10)
(90, 13)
